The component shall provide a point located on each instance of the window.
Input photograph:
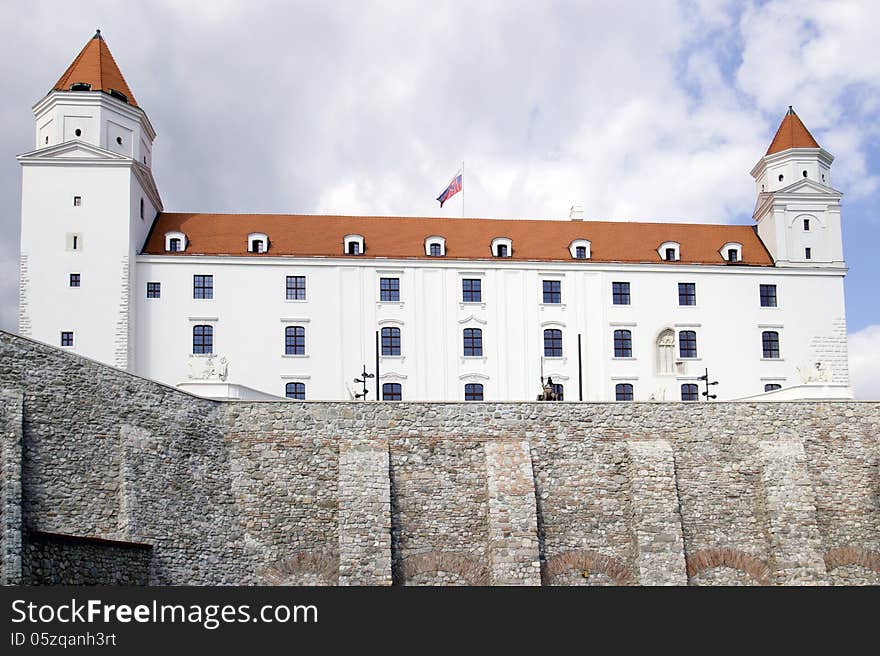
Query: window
(389, 289)
(552, 343)
(77, 201)
(471, 291)
(67, 338)
(580, 252)
(806, 225)
(75, 242)
(559, 391)
(203, 340)
(623, 392)
(687, 293)
(295, 391)
(174, 245)
(435, 246)
(392, 392)
(391, 341)
(353, 244)
(473, 342)
(257, 242)
(689, 392)
(154, 290)
(354, 248)
(142, 208)
(687, 344)
(732, 255)
(175, 241)
(296, 288)
(74, 280)
(731, 252)
(768, 295)
(670, 255)
(501, 247)
(622, 344)
(772, 387)
(502, 250)
(203, 286)
(620, 293)
(294, 340)
(436, 250)
(770, 343)
(553, 291)
(808, 253)
(666, 352)
(473, 392)
(258, 246)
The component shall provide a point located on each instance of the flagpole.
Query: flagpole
(462, 188)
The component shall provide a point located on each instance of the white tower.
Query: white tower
(88, 201)
(798, 213)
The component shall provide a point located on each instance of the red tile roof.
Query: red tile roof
(95, 65)
(792, 133)
(466, 239)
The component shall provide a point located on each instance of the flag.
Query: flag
(451, 189)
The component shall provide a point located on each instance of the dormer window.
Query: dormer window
(175, 242)
(580, 249)
(257, 242)
(670, 251)
(502, 247)
(731, 252)
(353, 245)
(435, 246)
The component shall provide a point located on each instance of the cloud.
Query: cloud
(864, 363)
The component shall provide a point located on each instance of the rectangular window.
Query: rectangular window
(392, 392)
(67, 338)
(473, 392)
(203, 286)
(471, 291)
(389, 289)
(623, 392)
(435, 250)
(77, 201)
(296, 288)
(687, 344)
(552, 343)
(770, 344)
(391, 341)
(620, 293)
(294, 340)
(808, 253)
(203, 340)
(670, 254)
(689, 392)
(580, 252)
(552, 291)
(807, 225)
(473, 342)
(154, 289)
(74, 280)
(732, 255)
(622, 344)
(768, 295)
(687, 293)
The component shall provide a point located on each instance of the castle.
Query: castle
(269, 306)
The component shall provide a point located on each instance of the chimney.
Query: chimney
(576, 213)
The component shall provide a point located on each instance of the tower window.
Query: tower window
(473, 342)
(203, 286)
(471, 291)
(623, 392)
(687, 344)
(768, 295)
(154, 290)
(391, 341)
(689, 392)
(203, 340)
(119, 140)
(47, 140)
(78, 132)
(389, 289)
(805, 174)
(623, 344)
(473, 392)
(77, 201)
(620, 293)
(772, 387)
(552, 291)
(74, 280)
(296, 288)
(808, 253)
(770, 344)
(295, 391)
(67, 338)
(552, 343)
(687, 293)
(781, 177)
(392, 392)
(75, 242)
(806, 225)
(294, 340)
(142, 208)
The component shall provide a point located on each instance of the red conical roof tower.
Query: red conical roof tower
(96, 67)
(792, 133)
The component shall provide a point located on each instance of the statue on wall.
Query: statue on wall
(209, 367)
(548, 393)
(814, 372)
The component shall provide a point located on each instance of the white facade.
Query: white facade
(95, 187)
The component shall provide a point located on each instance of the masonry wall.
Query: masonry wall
(429, 493)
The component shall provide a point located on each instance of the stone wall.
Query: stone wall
(50, 559)
(315, 493)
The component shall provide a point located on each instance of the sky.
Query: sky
(637, 110)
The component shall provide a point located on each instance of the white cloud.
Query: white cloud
(864, 362)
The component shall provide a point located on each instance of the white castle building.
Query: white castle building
(260, 306)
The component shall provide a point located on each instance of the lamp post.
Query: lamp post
(705, 379)
(363, 381)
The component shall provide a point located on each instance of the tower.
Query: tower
(87, 204)
(798, 212)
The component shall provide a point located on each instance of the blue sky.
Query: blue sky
(637, 110)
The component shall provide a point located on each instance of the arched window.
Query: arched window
(732, 251)
(552, 343)
(772, 387)
(770, 344)
(175, 241)
(580, 249)
(473, 392)
(295, 391)
(294, 340)
(623, 344)
(435, 246)
(689, 392)
(687, 344)
(669, 251)
(392, 392)
(257, 242)
(203, 339)
(353, 245)
(502, 247)
(666, 352)
(623, 392)
(391, 341)
(473, 342)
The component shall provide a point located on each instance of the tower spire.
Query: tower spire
(94, 66)
(792, 133)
